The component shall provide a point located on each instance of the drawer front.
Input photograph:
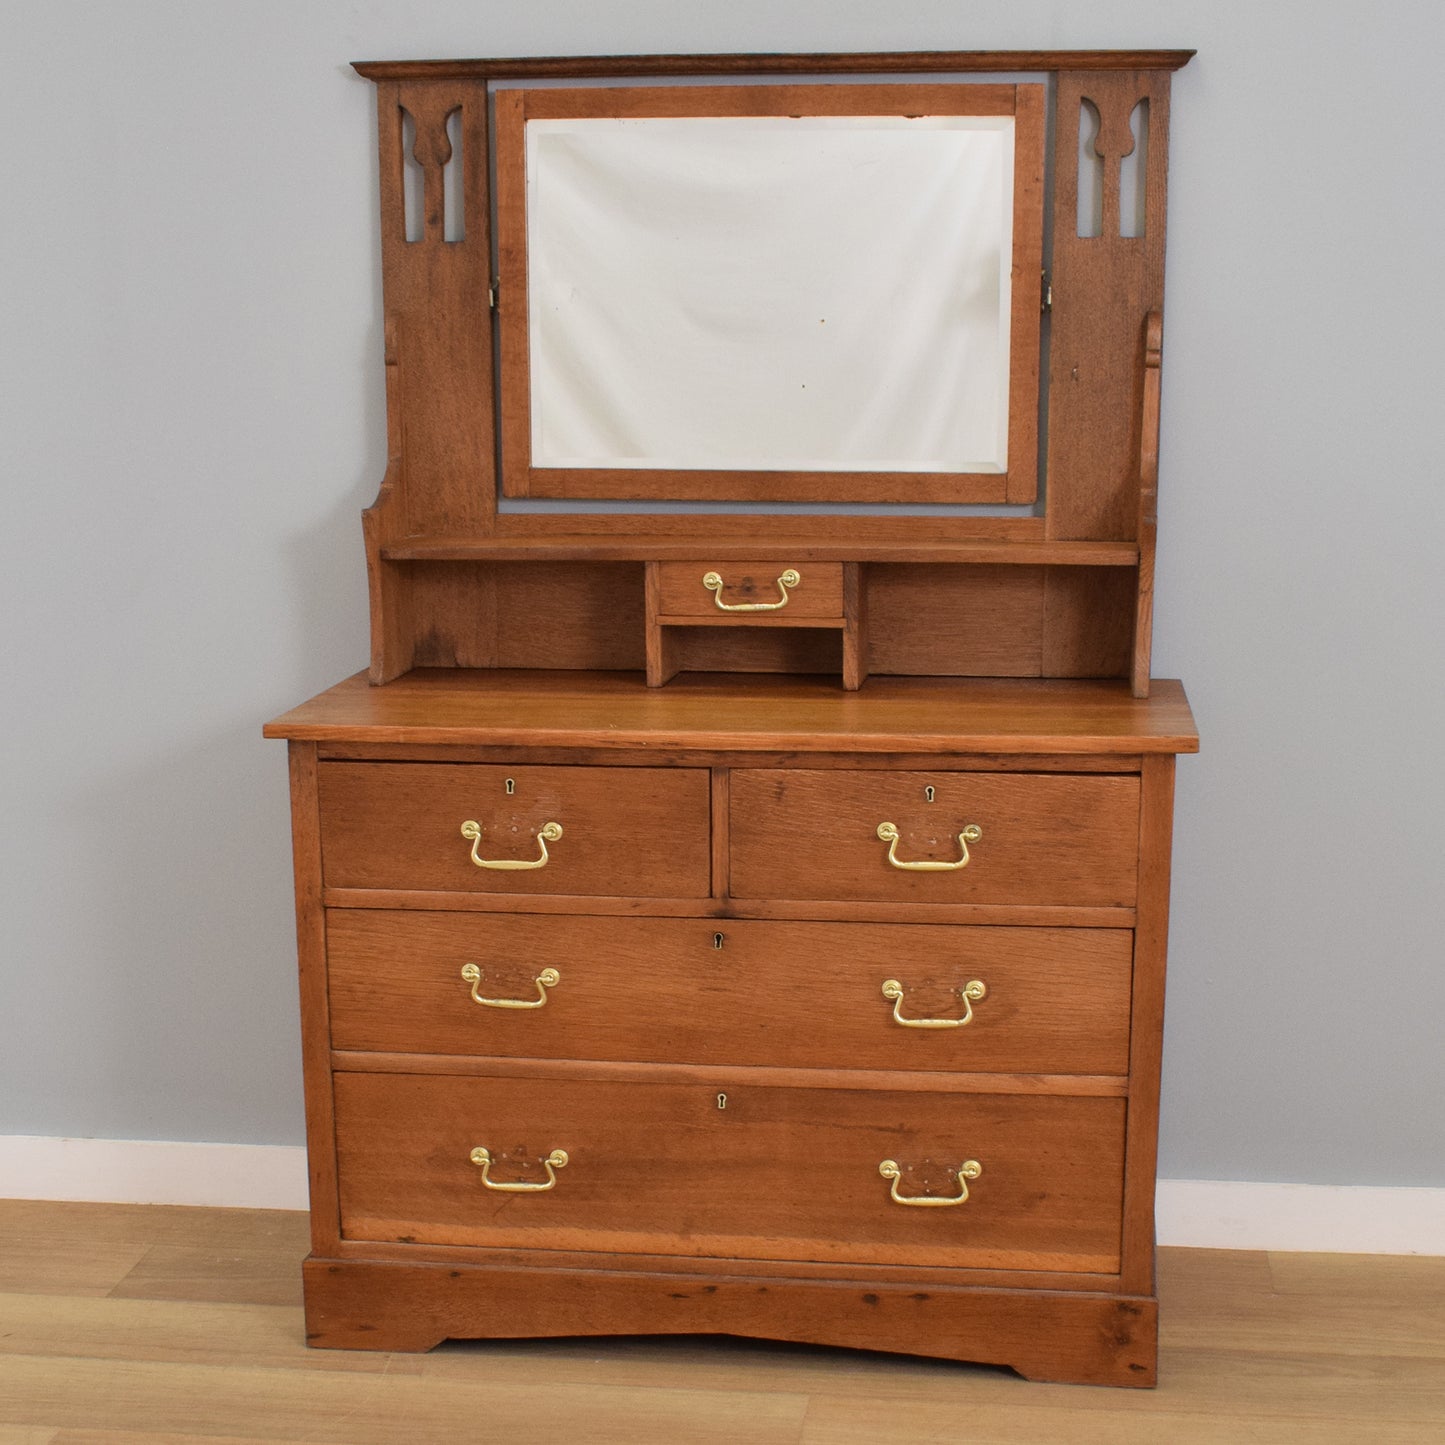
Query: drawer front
(1025, 1000)
(749, 590)
(551, 830)
(775, 1174)
(1027, 838)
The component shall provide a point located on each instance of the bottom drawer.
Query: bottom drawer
(732, 1170)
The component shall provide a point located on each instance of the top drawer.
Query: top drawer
(1046, 839)
(477, 828)
(749, 591)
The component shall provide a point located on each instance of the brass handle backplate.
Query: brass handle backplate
(714, 584)
(970, 993)
(549, 833)
(544, 980)
(888, 833)
(969, 1169)
(556, 1160)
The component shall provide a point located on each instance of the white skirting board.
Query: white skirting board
(147, 1171)
(1201, 1213)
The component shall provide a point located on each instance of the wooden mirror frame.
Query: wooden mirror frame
(515, 108)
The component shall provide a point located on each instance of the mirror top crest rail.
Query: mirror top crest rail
(543, 67)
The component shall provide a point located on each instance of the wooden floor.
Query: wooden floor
(129, 1324)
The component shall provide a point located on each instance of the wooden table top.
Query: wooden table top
(747, 713)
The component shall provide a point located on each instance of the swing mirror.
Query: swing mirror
(770, 293)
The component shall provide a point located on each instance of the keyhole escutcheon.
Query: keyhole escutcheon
(511, 786)
(722, 1101)
(928, 792)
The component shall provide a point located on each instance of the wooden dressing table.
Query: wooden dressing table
(735, 917)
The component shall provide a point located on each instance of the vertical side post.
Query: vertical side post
(1146, 1024)
(1148, 503)
(315, 1006)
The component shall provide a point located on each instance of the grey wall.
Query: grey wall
(191, 419)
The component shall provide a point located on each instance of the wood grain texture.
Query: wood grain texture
(655, 989)
(818, 592)
(855, 627)
(889, 716)
(438, 356)
(1046, 839)
(1146, 1027)
(1025, 327)
(662, 659)
(709, 1076)
(399, 826)
(931, 619)
(814, 648)
(682, 757)
(785, 909)
(315, 1017)
(569, 615)
(1103, 288)
(1148, 528)
(845, 534)
(776, 1173)
(999, 541)
(389, 599)
(1086, 1338)
(1086, 622)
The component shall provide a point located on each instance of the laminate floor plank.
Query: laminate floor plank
(85, 1268)
(149, 1224)
(149, 1437)
(127, 1324)
(189, 1272)
(1329, 1304)
(326, 1408)
(834, 1423)
(178, 1332)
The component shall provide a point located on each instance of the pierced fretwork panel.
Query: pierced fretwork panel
(430, 167)
(1107, 275)
(436, 265)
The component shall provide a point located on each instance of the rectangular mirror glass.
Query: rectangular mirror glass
(783, 306)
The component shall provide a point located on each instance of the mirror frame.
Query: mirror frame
(519, 479)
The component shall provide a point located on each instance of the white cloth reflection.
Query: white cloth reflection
(814, 293)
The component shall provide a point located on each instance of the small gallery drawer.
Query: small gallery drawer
(1046, 839)
(553, 830)
(731, 1169)
(749, 591)
(689, 990)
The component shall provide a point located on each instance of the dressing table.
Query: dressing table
(734, 899)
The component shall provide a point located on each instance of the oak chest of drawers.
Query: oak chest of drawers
(748, 1008)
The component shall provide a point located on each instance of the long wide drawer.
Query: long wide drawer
(479, 828)
(935, 837)
(594, 1163)
(686, 990)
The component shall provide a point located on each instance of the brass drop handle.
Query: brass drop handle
(556, 1160)
(970, 993)
(969, 1169)
(544, 980)
(550, 832)
(714, 584)
(888, 833)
